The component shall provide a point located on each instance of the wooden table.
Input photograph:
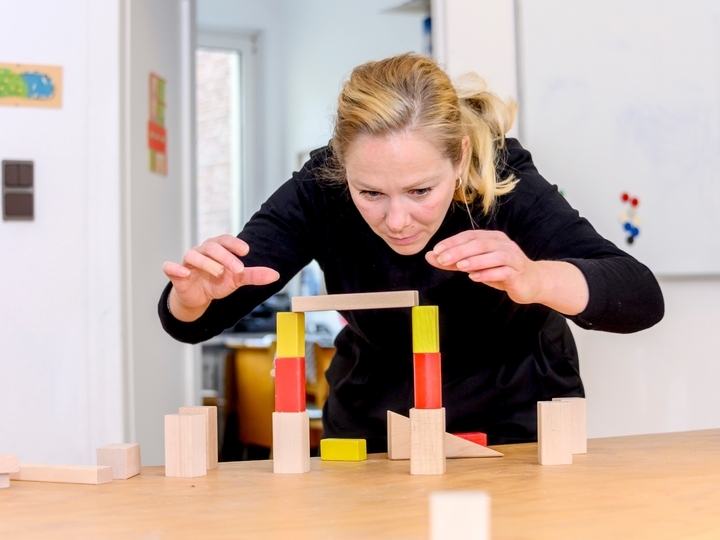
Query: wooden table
(653, 486)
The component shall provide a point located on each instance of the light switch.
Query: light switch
(18, 190)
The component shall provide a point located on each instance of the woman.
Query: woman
(419, 189)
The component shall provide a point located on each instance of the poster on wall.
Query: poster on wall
(28, 85)
(157, 136)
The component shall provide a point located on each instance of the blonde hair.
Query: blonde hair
(410, 93)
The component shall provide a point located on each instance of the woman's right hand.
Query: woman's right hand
(211, 271)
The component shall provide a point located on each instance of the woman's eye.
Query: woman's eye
(420, 192)
(370, 194)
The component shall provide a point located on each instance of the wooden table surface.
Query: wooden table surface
(651, 486)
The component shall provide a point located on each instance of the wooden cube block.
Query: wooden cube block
(579, 423)
(425, 329)
(123, 458)
(290, 335)
(210, 412)
(185, 445)
(554, 432)
(290, 384)
(459, 515)
(427, 441)
(4, 480)
(9, 464)
(343, 449)
(291, 442)
(64, 474)
(428, 380)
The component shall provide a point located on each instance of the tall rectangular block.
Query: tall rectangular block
(290, 335)
(425, 329)
(428, 380)
(579, 423)
(290, 384)
(185, 445)
(427, 441)
(210, 411)
(554, 432)
(291, 442)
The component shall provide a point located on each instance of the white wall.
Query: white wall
(83, 360)
(306, 48)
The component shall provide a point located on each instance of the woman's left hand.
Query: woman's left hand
(490, 257)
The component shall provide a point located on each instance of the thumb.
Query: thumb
(259, 275)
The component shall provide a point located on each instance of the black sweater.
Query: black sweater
(498, 357)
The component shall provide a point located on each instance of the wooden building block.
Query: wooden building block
(185, 445)
(9, 463)
(398, 436)
(291, 442)
(290, 384)
(425, 329)
(455, 447)
(427, 441)
(63, 474)
(459, 515)
(290, 335)
(343, 449)
(123, 458)
(579, 423)
(478, 437)
(428, 380)
(348, 302)
(4, 480)
(210, 411)
(554, 432)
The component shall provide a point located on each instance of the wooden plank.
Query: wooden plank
(343, 449)
(459, 515)
(291, 442)
(348, 302)
(554, 432)
(455, 447)
(124, 459)
(9, 463)
(427, 441)
(64, 474)
(210, 411)
(290, 335)
(185, 445)
(579, 423)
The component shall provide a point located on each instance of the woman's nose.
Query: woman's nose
(397, 217)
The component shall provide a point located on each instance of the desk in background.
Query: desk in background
(650, 486)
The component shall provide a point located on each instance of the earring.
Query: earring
(459, 182)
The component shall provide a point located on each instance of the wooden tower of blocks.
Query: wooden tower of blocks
(427, 418)
(290, 421)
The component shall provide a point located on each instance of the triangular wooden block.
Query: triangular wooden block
(455, 447)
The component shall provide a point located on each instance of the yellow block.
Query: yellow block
(425, 329)
(343, 450)
(290, 335)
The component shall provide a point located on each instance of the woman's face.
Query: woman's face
(402, 186)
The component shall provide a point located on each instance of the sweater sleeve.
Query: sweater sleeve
(624, 294)
(282, 235)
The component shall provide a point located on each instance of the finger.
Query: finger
(221, 255)
(233, 244)
(259, 275)
(432, 259)
(175, 270)
(465, 237)
(485, 261)
(204, 263)
(495, 277)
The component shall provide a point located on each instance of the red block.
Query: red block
(428, 381)
(290, 384)
(478, 437)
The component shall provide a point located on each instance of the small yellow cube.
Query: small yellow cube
(425, 329)
(343, 450)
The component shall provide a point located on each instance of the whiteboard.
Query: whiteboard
(624, 97)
